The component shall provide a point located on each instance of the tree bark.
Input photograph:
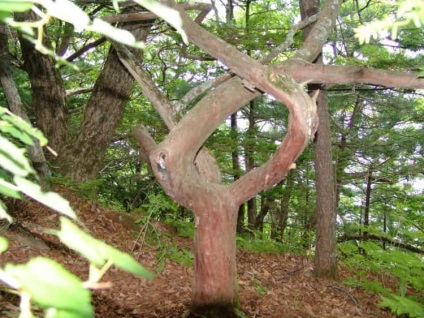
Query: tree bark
(82, 158)
(367, 202)
(325, 262)
(236, 169)
(15, 104)
(214, 290)
(250, 162)
(48, 92)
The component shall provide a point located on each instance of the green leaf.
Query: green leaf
(15, 5)
(9, 189)
(403, 306)
(170, 15)
(3, 213)
(98, 252)
(122, 36)
(4, 244)
(69, 12)
(52, 286)
(26, 128)
(12, 130)
(12, 158)
(50, 199)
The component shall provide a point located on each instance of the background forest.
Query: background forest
(376, 178)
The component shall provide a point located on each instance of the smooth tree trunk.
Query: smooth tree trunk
(214, 289)
(188, 181)
(235, 160)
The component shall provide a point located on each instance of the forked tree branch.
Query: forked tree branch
(205, 163)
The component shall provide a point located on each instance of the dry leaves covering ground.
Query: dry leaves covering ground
(270, 285)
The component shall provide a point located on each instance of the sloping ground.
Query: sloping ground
(270, 285)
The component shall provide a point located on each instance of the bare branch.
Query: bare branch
(86, 48)
(143, 16)
(148, 87)
(289, 39)
(77, 91)
(326, 74)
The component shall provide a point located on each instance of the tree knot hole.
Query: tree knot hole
(161, 162)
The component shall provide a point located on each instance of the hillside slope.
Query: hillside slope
(271, 285)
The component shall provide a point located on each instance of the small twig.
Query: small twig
(352, 298)
(289, 39)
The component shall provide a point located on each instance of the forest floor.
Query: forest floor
(270, 285)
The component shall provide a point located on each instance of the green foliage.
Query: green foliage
(403, 306)
(260, 289)
(408, 13)
(16, 168)
(252, 244)
(183, 228)
(407, 268)
(51, 286)
(180, 256)
(98, 252)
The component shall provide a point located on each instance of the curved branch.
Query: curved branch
(281, 87)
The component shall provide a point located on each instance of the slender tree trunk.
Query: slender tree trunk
(325, 251)
(250, 163)
(266, 204)
(236, 168)
(367, 202)
(342, 155)
(325, 263)
(280, 220)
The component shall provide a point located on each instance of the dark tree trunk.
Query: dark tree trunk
(367, 202)
(266, 204)
(325, 263)
(280, 217)
(82, 159)
(236, 169)
(48, 92)
(250, 163)
(16, 106)
(342, 154)
(325, 250)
